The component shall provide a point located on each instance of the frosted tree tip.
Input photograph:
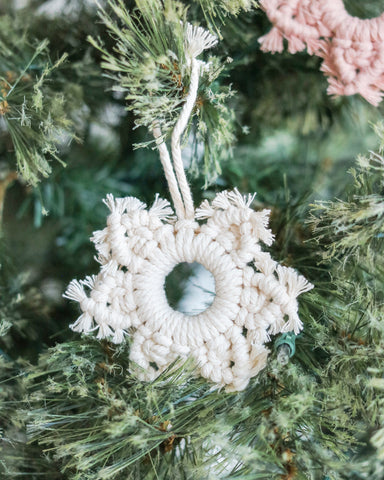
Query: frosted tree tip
(197, 39)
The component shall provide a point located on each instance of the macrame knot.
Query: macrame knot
(254, 296)
(352, 49)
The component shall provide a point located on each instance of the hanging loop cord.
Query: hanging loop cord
(197, 40)
(176, 137)
(168, 171)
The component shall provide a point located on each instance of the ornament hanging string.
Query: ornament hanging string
(197, 40)
(139, 247)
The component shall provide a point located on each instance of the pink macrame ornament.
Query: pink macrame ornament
(352, 49)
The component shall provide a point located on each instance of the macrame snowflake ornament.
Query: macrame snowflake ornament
(254, 296)
(352, 49)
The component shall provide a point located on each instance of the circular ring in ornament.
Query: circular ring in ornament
(344, 25)
(212, 336)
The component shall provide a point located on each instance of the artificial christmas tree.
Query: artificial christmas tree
(85, 84)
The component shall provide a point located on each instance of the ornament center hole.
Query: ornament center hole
(363, 10)
(190, 288)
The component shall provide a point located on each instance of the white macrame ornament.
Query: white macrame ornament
(254, 296)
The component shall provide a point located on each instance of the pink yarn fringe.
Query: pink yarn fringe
(352, 49)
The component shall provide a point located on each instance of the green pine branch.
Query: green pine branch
(148, 66)
(33, 107)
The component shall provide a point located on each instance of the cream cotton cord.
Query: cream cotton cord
(254, 296)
